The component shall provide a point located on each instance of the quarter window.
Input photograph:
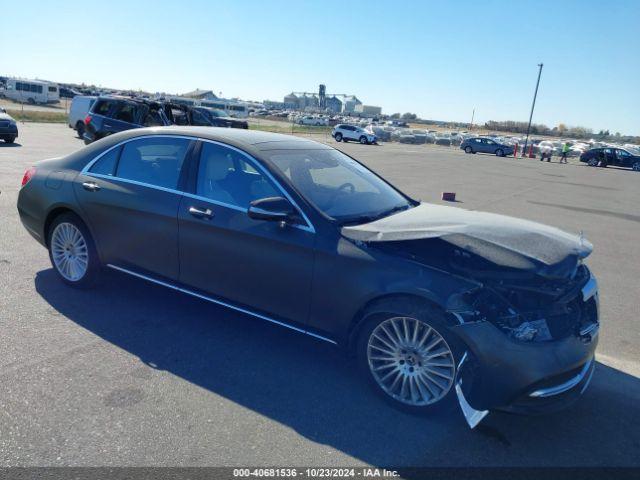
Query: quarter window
(225, 176)
(154, 161)
(107, 163)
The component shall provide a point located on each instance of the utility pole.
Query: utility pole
(473, 114)
(526, 140)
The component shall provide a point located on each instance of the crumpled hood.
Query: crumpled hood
(504, 241)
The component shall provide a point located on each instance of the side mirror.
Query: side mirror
(274, 209)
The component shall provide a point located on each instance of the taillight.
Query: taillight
(28, 175)
(87, 119)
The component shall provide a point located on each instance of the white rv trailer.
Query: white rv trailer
(31, 91)
(233, 109)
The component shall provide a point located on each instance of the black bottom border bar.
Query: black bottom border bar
(430, 473)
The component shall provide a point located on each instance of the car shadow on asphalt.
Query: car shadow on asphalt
(313, 388)
(9, 145)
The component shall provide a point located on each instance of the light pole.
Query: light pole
(473, 114)
(526, 140)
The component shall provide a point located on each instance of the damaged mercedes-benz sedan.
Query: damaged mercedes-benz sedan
(437, 303)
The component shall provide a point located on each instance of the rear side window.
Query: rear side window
(106, 165)
(153, 161)
(126, 112)
(102, 107)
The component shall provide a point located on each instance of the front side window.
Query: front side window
(224, 175)
(153, 161)
(339, 186)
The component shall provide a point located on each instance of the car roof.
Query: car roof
(250, 140)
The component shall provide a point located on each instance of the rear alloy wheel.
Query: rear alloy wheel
(468, 149)
(338, 137)
(636, 167)
(500, 152)
(363, 140)
(593, 162)
(410, 362)
(72, 251)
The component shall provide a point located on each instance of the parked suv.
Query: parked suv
(619, 157)
(212, 117)
(8, 127)
(115, 114)
(350, 132)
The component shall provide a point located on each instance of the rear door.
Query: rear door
(123, 116)
(130, 196)
(254, 263)
(350, 132)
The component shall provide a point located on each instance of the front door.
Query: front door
(257, 264)
(130, 197)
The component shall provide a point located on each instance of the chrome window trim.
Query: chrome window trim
(220, 302)
(256, 164)
(563, 387)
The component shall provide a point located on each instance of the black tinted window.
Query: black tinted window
(107, 163)
(102, 107)
(126, 112)
(225, 176)
(155, 161)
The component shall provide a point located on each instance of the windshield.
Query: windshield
(338, 185)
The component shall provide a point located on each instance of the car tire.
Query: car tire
(363, 140)
(80, 129)
(636, 167)
(72, 251)
(10, 139)
(31, 101)
(468, 149)
(427, 392)
(500, 152)
(592, 162)
(338, 137)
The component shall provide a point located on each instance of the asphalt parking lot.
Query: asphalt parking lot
(133, 374)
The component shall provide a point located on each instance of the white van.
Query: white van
(80, 106)
(31, 91)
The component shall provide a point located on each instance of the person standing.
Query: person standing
(565, 152)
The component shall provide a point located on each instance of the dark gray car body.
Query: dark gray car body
(318, 277)
(486, 145)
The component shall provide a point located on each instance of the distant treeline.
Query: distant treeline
(560, 131)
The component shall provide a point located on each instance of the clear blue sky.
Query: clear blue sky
(438, 59)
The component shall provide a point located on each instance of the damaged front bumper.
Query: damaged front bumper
(500, 373)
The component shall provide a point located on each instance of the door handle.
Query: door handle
(201, 212)
(91, 186)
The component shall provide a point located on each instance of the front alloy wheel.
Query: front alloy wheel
(410, 361)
